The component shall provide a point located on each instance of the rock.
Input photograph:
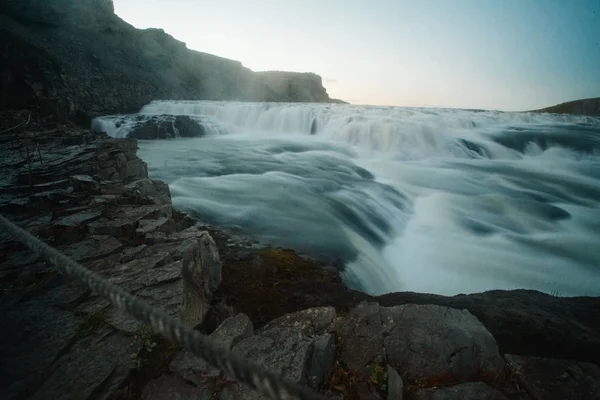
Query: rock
(133, 169)
(146, 226)
(423, 343)
(201, 273)
(34, 334)
(322, 359)
(232, 330)
(148, 191)
(84, 183)
(219, 312)
(550, 379)
(470, 390)
(310, 322)
(124, 221)
(193, 368)
(165, 127)
(281, 351)
(87, 367)
(395, 386)
(130, 253)
(526, 321)
(93, 247)
(141, 272)
(168, 387)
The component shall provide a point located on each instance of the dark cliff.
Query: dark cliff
(80, 60)
(578, 107)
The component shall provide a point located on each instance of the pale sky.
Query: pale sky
(493, 54)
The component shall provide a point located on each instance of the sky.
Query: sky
(484, 54)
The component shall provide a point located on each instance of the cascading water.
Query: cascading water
(428, 200)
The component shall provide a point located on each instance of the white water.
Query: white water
(427, 200)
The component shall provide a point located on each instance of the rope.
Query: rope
(251, 374)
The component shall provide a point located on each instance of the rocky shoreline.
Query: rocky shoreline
(90, 196)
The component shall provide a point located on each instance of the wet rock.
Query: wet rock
(310, 322)
(168, 387)
(322, 359)
(423, 343)
(395, 386)
(135, 252)
(550, 379)
(133, 169)
(166, 127)
(281, 351)
(93, 247)
(124, 221)
(219, 312)
(229, 333)
(471, 391)
(84, 183)
(162, 224)
(201, 273)
(148, 191)
(32, 337)
(526, 321)
(86, 367)
(134, 274)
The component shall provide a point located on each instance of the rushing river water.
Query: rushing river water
(428, 200)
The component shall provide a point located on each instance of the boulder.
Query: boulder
(424, 343)
(194, 369)
(470, 390)
(281, 351)
(201, 274)
(310, 322)
(549, 379)
(165, 127)
(526, 322)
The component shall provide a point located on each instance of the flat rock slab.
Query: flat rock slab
(549, 379)
(424, 343)
(86, 367)
(471, 391)
(310, 322)
(32, 337)
(93, 247)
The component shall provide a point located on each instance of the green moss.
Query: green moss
(92, 322)
(378, 377)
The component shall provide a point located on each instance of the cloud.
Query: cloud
(329, 80)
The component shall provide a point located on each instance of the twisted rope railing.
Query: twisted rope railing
(253, 375)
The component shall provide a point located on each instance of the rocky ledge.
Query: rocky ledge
(90, 196)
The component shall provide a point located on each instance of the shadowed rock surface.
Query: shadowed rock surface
(556, 379)
(526, 321)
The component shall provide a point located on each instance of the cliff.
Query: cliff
(579, 107)
(80, 60)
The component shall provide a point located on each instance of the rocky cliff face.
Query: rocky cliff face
(578, 107)
(80, 60)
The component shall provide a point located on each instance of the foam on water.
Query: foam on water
(430, 200)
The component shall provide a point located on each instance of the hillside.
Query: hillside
(579, 107)
(80, 60)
